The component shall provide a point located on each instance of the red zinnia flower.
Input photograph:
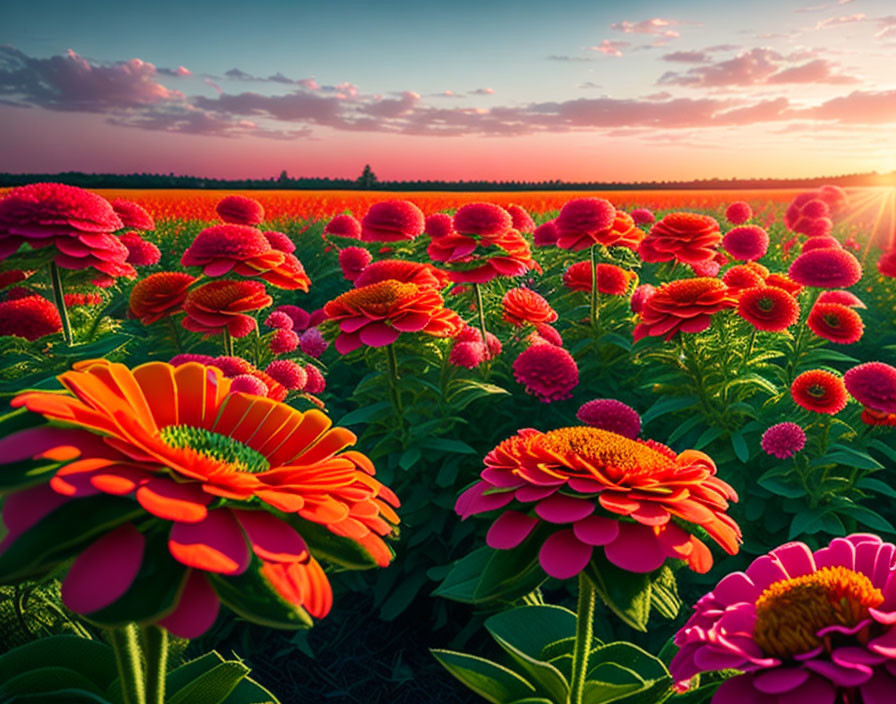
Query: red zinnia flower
(279, 320)
(210, 477)
(826, 268)
(635, 502)
(13, 276)
(485, 220)
(377, 314)
(643, 216)
(819, 391)
(140, 252)
(392, 221)
(548, 372)
(611, 279)
(768, 308)
(468, 355)
(685, 305)
(352, 261)
(822, 242)
(316, 382)
(31, 317)
(222, 304)
(846, 298)
(836, 322)
(582, 221)
(747, 243)
(132, 214)
(886, 265)
(545, 333)
(523, 305)
(77, 222)
(248, 384)
(344, 226)
(738, 213)
(546, 234)
(873, 384)
(284, 341)
(610, 414)
(240, 210)
(424, 275)
(689, 238)
(438, 225)
(785, 282)
(245, 251)
(159, 295)
(300, 318)
(279, 241)
(504, 255)
(522, 221)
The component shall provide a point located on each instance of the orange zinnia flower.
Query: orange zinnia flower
(523, 305)
(222, 304)
(603, 490)
(685, 305)
(689, 238)
(377, 314)
(159, 295)
(193, 482)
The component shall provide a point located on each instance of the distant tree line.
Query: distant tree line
(368, 181)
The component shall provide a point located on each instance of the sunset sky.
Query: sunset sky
(506, 89)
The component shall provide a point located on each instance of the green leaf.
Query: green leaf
(409, 458)
(872, 519)
(609, 682)
(365, 414)
(403, 595)
(47, 679)
(706, 437)
(668, 405)
(655, 678)
(540, 672)
(613, 338)
(488, 679)
(741, 449)
(664, 593)
(91, 658)
(626, 594)
(685, 427)
(448, 445)
(254, 598)
(460, 393)
(806, 522)
(63, 533)
(248, 691)
(841, 454)
(883, 448)
(781, 484)
(212, 687)
(533, 629)
(180, 677)
(877, 486)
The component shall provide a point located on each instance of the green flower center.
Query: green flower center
(242, 458)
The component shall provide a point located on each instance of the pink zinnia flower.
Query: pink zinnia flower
(821, 242)
(438, 225)
(836, 323)
(30, 317)
(300, 318)
(316, 382)
(279, 320)
(545, 234)
(640, 296)
(240, 210)
(279, 241)
(738, 213)
(548, 372)
(353, 260)
(803, 627)
(873, 384)
(522, 221)
(312, 343)
(485, 220)
(747, 243)
(344, 226)
(284, 341)
(468, 355)
(132, 214)
(846, 298)
(826, 268)
(886, 265)
(643, 216)
(248, 384)
(610, 414)
(288, 373)
(783, 440)
(392, 221)
(140, 252)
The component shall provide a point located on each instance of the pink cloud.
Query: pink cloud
(655, 25)
(818, 71)
(859, 107)
(887, 27)
(687, 57)
(610, 48)
(837, 21)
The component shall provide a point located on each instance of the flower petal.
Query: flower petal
(560, 508)
(563, 555)
(196, 610)
(635, 549)
(509, 530)
(270, 538)
(214, 544)
(173, 501)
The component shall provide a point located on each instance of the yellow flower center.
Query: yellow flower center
(605, 450)
(379, 297)
(790, 613)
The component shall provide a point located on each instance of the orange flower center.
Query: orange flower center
(790, 613)
(379, 297)
(240, 457)
(605, 450)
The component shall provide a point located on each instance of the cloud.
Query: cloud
(837, 21)
(656, 26)
(575, 59)
(179, 72)
(687, 57)
(70, 82)
(483, 91)
(758, 66)
(857, 108)
(610, 48)
(590, 85)
(886, 27)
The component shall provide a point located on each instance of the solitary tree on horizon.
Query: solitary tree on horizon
(367, 179)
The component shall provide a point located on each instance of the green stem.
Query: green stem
(751, 345)
(59, 300)
(393, 386)
(155, 650)
(584, 636)
(481, 310)
(174, 336)
(127, 660)
(228, 343)
(595, 299)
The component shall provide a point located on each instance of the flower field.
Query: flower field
(525, 448)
